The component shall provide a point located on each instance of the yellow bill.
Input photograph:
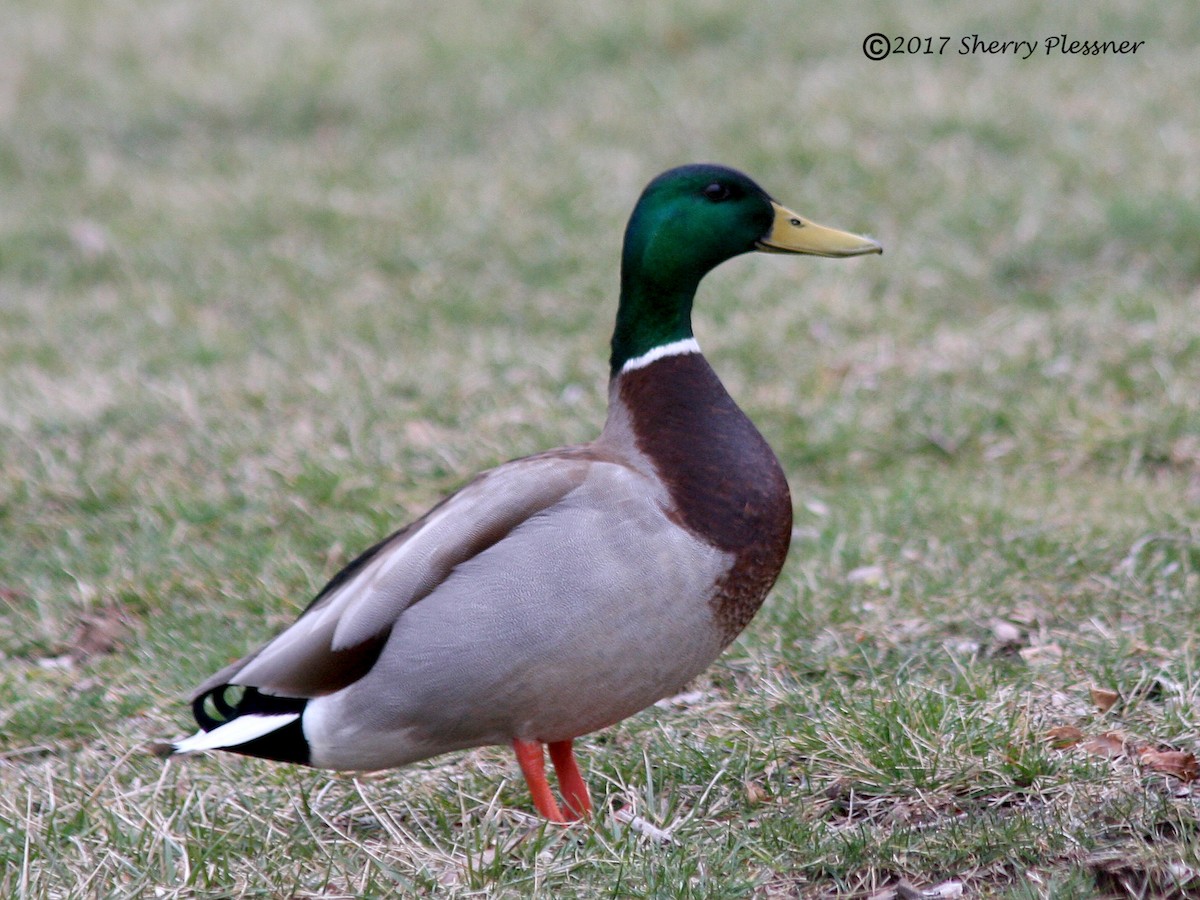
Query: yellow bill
(792, 234)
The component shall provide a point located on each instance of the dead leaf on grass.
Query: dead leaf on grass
(99, 631)
(756, 793)
(1121, 874)
(1104, 699)
(1064, 735)
(1110, 744)
(1177, 763)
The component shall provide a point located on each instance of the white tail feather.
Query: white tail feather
(235, 732)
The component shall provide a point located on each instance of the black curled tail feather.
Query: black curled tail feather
(226, 702)
(216, 697)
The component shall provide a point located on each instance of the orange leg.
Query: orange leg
(533, 767)
(570, 782)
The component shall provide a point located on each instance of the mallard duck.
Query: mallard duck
(559, 593)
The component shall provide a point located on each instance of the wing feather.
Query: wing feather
(349, 621)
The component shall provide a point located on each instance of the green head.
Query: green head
(687, 222)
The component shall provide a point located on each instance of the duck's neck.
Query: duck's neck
(651, 319)
(659, 278)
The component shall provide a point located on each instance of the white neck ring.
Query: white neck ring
(675, 348)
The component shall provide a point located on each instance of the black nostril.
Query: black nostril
(797, 223)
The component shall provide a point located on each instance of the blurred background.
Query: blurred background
(274, 277)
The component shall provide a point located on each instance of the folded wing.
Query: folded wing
(339, 636)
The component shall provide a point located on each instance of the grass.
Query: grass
(271, 284)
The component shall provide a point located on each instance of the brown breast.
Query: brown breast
(724, 480)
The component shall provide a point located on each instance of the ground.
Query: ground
(273, 280)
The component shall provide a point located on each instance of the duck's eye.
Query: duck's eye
(717, 192)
